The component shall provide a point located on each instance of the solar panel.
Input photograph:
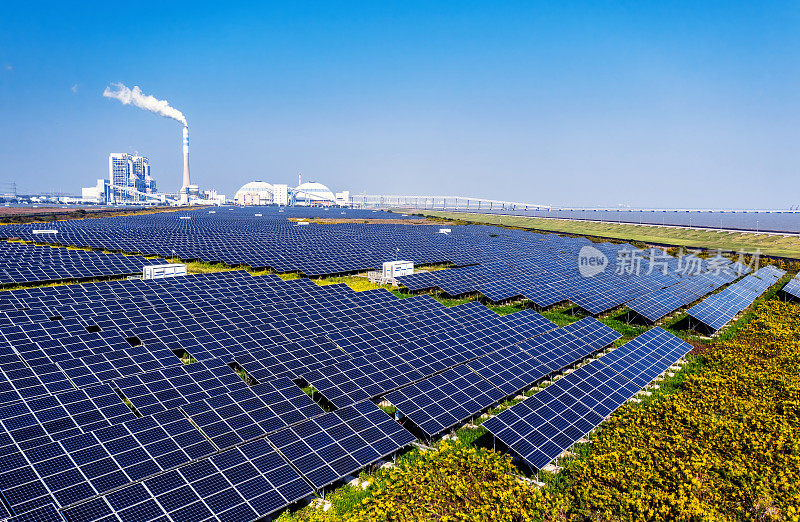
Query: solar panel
(591, 333)
(528, 322)
(360, 378)
(509, 369)
(47, 513)
(541, 427)
(444, 400)
(792, 288)
(232, 418)
(646, 356)
(157, 391)
(329, 447)
(717, 310)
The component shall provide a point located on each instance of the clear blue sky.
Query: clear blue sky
(665, 104)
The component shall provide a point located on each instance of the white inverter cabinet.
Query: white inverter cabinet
(162, 271)
(392, 269)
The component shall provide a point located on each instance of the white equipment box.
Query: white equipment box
(392, 269)
(162, 271)
(45, 231)
(445, 230)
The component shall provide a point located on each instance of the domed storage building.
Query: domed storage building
(313, 193)
(254, 193)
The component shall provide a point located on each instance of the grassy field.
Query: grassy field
(776, 245)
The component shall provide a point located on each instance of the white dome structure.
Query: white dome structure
(313, 193)
(254, 193)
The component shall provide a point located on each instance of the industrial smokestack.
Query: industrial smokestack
(186, 179)
(137, 98)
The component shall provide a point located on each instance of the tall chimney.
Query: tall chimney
(186, 180)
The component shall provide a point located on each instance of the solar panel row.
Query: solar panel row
(239, 237)
(655, 305)
(23, 263)
(717, 310)
(438, 403)
(653, 287)
(792, 288)
(543, 426)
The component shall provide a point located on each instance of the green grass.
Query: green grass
(388, 409)
(563, 315)
(506, 309)
(202, 267)
(617, 322)
(186, 358)
(448, 301)
(776, 245)
(357, 283)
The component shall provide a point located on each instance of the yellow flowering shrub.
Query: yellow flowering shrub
(456, 483)
(726, 447)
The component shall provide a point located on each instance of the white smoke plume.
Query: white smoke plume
(136, 97)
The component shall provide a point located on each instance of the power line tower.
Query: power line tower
(8, 190)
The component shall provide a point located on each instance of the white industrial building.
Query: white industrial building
(309, 194)
(312, 194)
(130, 179)
(254, 193)
(99, 194)
(280, 194)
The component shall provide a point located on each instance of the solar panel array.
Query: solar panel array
(496, 263)
(792, 288)
(655, 305)
(69, 355)
(543, 426)
(259, 238)
(651, 283)
(717, 310)
(25, 263)
(100, 417)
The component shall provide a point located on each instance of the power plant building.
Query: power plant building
(309, 194)
(129, 178)
(280, 194)
(254, 193)
(313, 194)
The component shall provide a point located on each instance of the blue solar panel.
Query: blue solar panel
(541, 427)
(331, 446)
(440, 402)
(717, 310)
(792, 288)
